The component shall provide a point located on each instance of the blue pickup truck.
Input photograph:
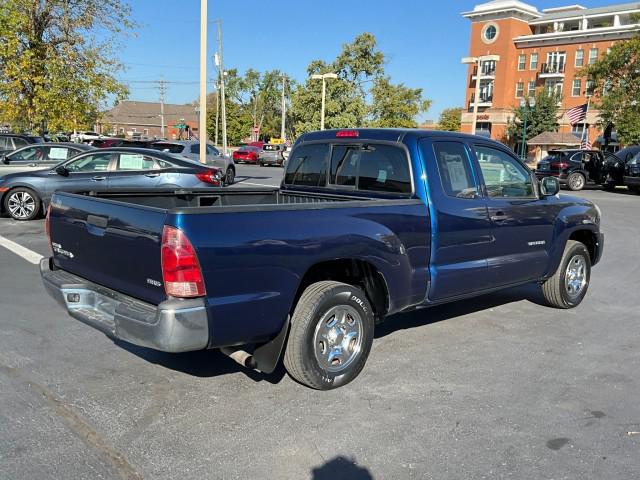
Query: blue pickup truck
(366, 223)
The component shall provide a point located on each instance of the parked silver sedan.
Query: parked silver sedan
(191, 149)
(39, 155)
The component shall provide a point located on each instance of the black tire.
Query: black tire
(556, 290)
(230, 176)
(634, 189)
(576, 181)
(22, 204)
(312, 314)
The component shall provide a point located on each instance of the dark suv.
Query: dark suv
(13, 141)
(631, 158)
(573, 168)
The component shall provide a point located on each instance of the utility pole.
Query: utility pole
(163, 90)
(217, 112)
(202, 123)
(284, 110)
(222, 97)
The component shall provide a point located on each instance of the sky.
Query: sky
(423, 41)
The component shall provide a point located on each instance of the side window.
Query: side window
(455, 170)
(28, 155)
(211, 150)
(19, 142)
(91, 163)
(59, 153)
(135, 161)
(308, 166)
(383, 168)
(3, 143)
(163, 164)
(195, 148)
(503, 175)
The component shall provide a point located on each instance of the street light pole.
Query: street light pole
(284, 110)
(525, 104)
(202, 120)
(323, 77)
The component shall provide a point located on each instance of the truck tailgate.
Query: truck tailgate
(113, 244)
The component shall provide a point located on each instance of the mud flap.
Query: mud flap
(267, 355)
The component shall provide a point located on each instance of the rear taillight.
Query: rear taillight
(253, 155)
(47, 226)
(180, 267)
(210, 176)
(560, 165)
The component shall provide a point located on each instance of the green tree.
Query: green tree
(450, 119)
(57, 64)
(361, 78)
(543, 117)
(616, 81)
(396, 105)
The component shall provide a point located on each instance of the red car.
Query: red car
(247, 154)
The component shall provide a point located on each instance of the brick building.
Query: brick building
(529, 50)
(143, 119)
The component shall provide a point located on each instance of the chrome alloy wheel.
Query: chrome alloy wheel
(21, 205)
(577, 182)
(575, 277)
(338, 338)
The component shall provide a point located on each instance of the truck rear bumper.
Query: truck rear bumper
(174, 325)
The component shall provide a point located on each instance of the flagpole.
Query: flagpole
(584, 124)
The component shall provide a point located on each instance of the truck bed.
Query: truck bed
(192, 201)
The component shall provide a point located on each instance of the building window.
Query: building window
(554, 86)
(533, 61)
(134, 130)
(520, 90)
(555, 62)
(579, 58)
(576, 88)
(591, 86)
(490, 33)
(486, 91)
(531, 91)
(578, 128)
(522, 62)
(593, 56)
(146, 131)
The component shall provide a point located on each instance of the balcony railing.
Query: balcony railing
(486, 98)
(550, 69)
(485, 71)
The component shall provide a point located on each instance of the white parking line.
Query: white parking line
(28, 255)
(256, 184)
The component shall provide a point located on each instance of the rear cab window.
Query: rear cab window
(168, 147)
(364, 167)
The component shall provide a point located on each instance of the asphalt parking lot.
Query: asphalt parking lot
(495, 387)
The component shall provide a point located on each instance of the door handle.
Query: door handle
(152, 175)
(499, 217)
(98, 178)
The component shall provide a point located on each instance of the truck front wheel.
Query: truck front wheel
(568, 286)
(331, 335)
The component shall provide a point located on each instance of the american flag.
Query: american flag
(586, 143)
(577, 114)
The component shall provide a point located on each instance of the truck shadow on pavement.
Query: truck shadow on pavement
(340, 468)
(213, 363)
(426, 316)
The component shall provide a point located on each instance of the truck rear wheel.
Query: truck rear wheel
(568, 286)
(331, 335)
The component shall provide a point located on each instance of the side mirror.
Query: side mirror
(549, 186)
(61, 170)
